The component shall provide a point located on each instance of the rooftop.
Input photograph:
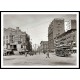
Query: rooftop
(69, 31)
(43, 42)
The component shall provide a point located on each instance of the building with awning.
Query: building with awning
(67, 39)
(55, 28)
(15, 39)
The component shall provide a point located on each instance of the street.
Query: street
(38, 59)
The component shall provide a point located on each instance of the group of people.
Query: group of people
(32, 53)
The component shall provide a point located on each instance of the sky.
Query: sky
(36, 25)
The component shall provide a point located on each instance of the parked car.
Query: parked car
(22, 51)
(31, 53)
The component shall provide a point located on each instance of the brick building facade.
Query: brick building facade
(55, 28)
(66, 39)
(15, 39)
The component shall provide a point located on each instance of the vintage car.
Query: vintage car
(63, 51)
(22, 51)
(31, 53)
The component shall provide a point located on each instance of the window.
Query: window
(74, 44)
(12, 41)
(6, 41)
(58, 24)
(6, 37)
(74, 37)
(19, 42)
(58, 30)
(21, 46)
(60, 21)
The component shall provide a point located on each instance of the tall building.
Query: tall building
(15, 39)
(67, 38)
(43, 46)
(56, 28)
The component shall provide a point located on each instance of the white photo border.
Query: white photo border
(52, 12)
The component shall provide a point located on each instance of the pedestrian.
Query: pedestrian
(47, 54)
(69, 53)
(35, 52)
(39, 52)
(26, 53)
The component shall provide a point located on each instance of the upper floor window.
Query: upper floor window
(74, 37)
(6, 41)
(58, 23)
(6, 37)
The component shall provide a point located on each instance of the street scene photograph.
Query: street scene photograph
(42, 39)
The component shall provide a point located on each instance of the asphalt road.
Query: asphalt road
(21, 60)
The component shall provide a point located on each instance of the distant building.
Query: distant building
(15, 39)
(56, 28)
(44, 46)
(38, 49)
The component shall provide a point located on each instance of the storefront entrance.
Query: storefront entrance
(14, 47)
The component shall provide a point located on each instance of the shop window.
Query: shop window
(21, 46)
(15, 47)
